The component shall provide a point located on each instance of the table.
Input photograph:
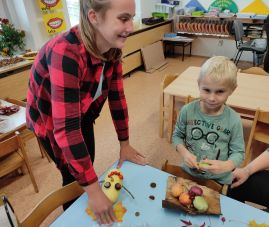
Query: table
(250, 94)
(13, 122)
(137, 179)
(178, 42)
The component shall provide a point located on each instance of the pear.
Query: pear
(112, 184)
(200, 203)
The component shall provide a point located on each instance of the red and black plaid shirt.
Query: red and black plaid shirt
(63, 81)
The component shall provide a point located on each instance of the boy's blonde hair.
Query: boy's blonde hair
(220, 68)
(87, 30)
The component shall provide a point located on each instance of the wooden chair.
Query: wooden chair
(169, 78)
(27, 134)
(13, 156)
(187, 100)
(50, 203)
(179, 172)
(259, 132)
(255, 70)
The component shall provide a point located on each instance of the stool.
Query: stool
(181, 43)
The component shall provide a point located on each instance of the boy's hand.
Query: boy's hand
(217, 166)
(190, 159)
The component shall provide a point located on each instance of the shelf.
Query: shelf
(206, 35)
(215, 27)
(243, 20)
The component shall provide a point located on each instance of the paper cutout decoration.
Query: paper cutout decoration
(225, 4)
(119, 211)
(50, 4)
(54, 22)
(257, 6)
(196, 4)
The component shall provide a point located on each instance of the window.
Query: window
(73, 11)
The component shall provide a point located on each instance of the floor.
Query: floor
(142, 92)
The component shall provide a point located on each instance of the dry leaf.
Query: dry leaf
(253, 223)
(118, 209)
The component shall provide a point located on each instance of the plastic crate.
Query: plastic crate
(158, 14)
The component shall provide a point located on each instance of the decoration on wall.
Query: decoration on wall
(54, 22)
(196, 4)
(50, 4)
(225, 4)
(257, 6)
(53, 16)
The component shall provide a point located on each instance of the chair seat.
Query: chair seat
(249, 46)
(10, 163)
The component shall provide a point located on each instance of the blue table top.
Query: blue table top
(137, 179)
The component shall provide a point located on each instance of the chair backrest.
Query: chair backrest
(263, 117)
(238, 31)
(266, 58)
(259, 131)
(168, 78)
(16, 101)
(179, 172)
(50, 203)
(255, 70)
(9, 145)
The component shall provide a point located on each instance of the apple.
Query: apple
(203, 164)
(185, 199)
(196, 190)
(177, 189)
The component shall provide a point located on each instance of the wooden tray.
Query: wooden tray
(212, 197)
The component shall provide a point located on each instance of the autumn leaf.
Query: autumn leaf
(119, 211)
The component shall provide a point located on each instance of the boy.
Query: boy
(208, 134)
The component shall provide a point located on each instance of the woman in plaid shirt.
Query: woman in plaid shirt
(71, 78)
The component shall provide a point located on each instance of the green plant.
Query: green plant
(11, 39)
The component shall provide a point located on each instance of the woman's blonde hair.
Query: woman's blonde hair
(220, 68)
(87, 30)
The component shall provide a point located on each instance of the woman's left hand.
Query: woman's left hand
(128, 153)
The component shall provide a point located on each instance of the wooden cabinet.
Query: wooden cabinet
(15, 85)
(141, 37)
(14, 81)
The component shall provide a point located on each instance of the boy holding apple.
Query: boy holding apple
(208, 133)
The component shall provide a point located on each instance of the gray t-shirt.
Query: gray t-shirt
(212, 137)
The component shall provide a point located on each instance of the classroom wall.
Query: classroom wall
(210, 46)
(27, 16)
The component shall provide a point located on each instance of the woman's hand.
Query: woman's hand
(100, 204)
(128, 153)
(240, 175)
(217, 166)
